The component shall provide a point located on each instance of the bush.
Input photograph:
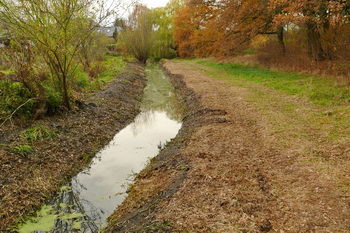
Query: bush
(53, 97)
(12, 95)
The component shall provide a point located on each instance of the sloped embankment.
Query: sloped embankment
(29, 179)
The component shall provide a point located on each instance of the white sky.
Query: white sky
(154, 3)
(124, 12)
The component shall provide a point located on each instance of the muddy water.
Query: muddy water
(85, 203)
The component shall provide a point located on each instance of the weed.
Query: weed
(86, 157)
(7, 72)
(53, 97)
(82, 80)
(158, 227)
(161, 145)
(14, 94)
(38, 132)
(107, 70)
(23, 149)
(183, 167)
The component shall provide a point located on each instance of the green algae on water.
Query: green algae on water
(44, 221)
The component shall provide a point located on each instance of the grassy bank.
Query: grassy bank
(317, 102)
(99, 74)
(320, 91)
(309, 115)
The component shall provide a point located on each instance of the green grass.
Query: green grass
(7, 72)
(322, 105)
(23, 149)
(38, 132)
(320, 91)
(113, 65)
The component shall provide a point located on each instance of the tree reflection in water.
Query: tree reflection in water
(74, 213)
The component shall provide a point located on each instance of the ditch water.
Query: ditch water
(93, 195)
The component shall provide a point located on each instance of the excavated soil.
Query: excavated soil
(27, 180)
(227, 171)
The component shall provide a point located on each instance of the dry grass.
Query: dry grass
(255, 172)
(144, 189)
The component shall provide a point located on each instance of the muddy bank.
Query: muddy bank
(28, 179)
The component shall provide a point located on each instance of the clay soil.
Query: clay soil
(28, 180)
(231, 170)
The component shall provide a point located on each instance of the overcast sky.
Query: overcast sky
(154, 3)
(124, 12)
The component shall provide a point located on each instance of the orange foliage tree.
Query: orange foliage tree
(317, 18)
(192, 32)
(226, 27)
(241, 21)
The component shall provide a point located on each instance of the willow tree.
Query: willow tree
(56, 29)
(163, 18)
(138, 37)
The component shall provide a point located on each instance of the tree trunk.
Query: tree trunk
(65, 93)
(316, 51)
(280, 36)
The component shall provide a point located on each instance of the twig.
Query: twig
(9, 117)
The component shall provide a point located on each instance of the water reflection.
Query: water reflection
(94, 193)
(74, 213)
(159, 94)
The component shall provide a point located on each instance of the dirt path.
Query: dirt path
(232, 172)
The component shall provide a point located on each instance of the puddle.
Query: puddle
(85, 203)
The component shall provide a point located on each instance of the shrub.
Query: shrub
(13, 95)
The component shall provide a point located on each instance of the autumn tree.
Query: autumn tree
(183, 32)
(225, 27)
(316, 17)
(193, 35)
